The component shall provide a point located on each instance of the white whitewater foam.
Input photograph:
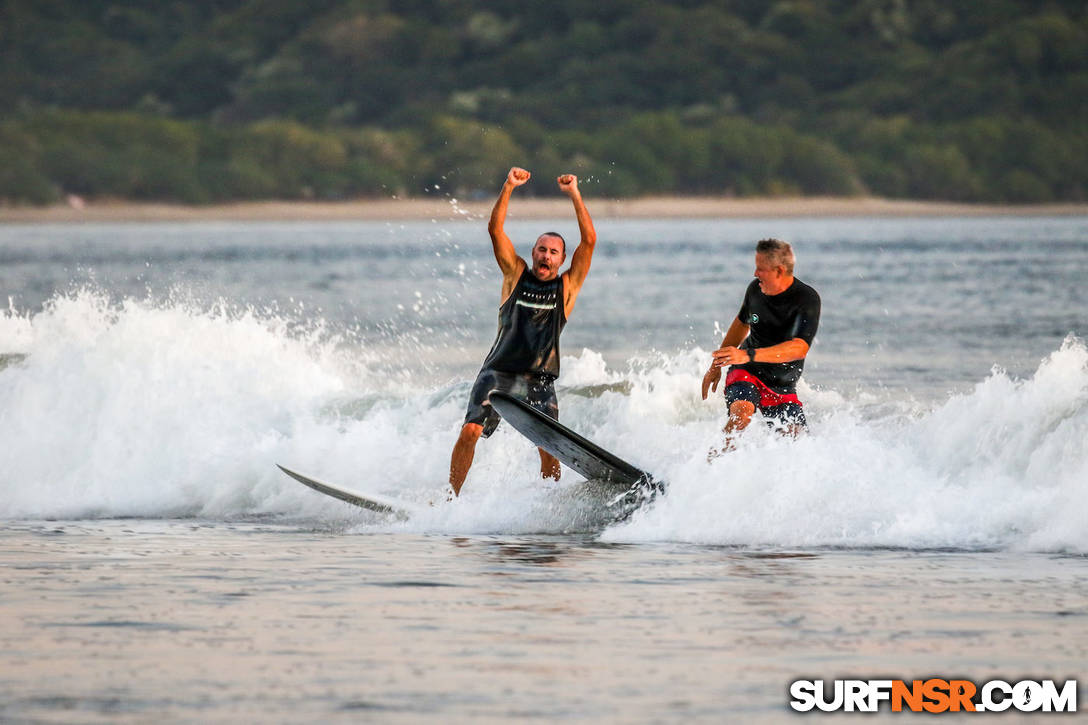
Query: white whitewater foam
(176, 409)
(15, 331)
(1003, 466)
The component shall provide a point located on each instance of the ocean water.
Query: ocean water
(157, 565)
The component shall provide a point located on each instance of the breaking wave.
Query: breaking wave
(178, 409)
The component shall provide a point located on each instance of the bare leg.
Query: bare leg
(793, 430)
(549, 466)
(740, 415)
(463, 452)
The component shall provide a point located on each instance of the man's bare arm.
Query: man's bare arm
(733, 336)
(583, 255)
(783, 352)
(509, 261)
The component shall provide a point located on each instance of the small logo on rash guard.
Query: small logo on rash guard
(753, 318)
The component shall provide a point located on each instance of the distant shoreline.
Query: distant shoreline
(446, 209)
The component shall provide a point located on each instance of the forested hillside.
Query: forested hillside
(240, 99)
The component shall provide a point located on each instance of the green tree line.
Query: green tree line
(245, 99)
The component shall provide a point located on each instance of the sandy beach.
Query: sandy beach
(448, 208)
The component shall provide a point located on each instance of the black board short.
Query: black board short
(536, 390)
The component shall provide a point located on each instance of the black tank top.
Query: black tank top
(530, 321)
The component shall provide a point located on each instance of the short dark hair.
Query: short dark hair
(778, 252)
(558, 236)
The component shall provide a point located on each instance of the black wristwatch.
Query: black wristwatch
(751, 354)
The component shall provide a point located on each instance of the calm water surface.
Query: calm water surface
(128, 621)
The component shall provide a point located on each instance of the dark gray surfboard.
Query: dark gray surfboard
(633, 485)
(381, 504)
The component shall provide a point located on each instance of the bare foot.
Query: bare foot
(718, 452)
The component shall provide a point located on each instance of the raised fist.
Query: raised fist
(517, 176)
(568, 183)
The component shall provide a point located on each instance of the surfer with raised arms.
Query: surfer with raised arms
(766, 345)
(536, 303)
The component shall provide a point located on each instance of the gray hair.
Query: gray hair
(777, 252)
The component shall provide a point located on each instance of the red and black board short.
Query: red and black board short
(775, 407)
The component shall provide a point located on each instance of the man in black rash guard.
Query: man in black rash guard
(766, 345)
(536, 303)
